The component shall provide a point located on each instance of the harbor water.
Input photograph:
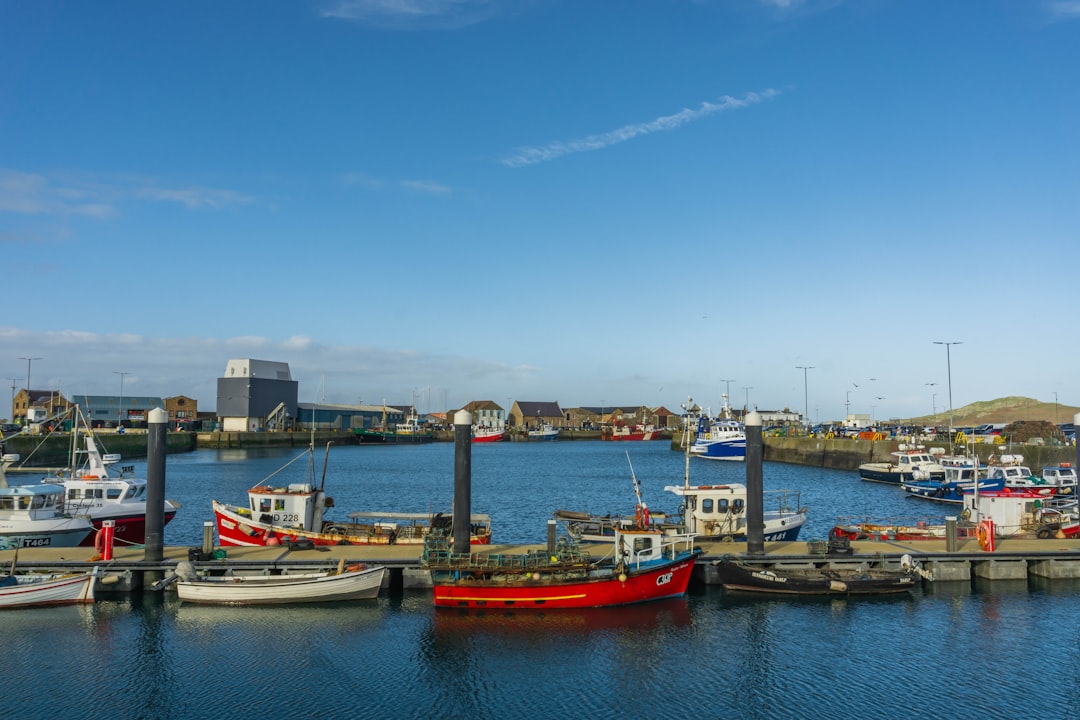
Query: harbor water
(1009, 649)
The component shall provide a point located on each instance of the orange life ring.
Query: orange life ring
(99, 541)
(985, 533)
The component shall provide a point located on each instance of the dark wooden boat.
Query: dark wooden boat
(792, 580)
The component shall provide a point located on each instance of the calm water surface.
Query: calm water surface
(1007, 650)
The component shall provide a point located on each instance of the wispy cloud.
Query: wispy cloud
(33, 194)
(421, 14)
(100, 198)
(426, 186)
(1064, 9)
(194, 197)
(82, 362)
(532, 155)
(361, 180)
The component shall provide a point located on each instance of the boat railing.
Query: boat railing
(786, 501)
(439, 556)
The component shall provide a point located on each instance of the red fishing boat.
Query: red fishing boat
(631, 432)
(488, 434)
(295, 513)
(645, 565)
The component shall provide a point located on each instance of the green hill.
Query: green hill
(1003, 410)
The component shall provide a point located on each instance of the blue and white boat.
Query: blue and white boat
(961, 474)
(720, 438)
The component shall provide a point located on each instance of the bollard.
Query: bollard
(207, 538)
(108, 533)
(462, 516)
(950, 534)
(755, 500)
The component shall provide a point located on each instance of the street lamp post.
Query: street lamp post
(933, 402)
(120, 409)
(948, 365)
(727, 392)
(28, 361)
(746, 401)
(876, 397)
(847, 405)
(27, 416)
(806, 395)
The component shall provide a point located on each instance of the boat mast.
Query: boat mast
(686, 440)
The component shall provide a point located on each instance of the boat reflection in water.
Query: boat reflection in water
(451, 623)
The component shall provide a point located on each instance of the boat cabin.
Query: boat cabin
(1013, 512)
(33, 502)
(713, 509)
(297, 505)
(1062, 475)
(640, 548)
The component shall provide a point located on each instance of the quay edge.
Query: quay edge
(128, 572)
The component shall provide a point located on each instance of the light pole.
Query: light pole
(746, 402)
(933, 402)
(847, 405)
(121, 408)
(14, 384)
(806, 396)
(1055, 409)
(876, 397)
(27, 416)
(948, 365)
(28, 361)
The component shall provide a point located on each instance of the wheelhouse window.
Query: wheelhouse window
(707, 505)
(642, 544)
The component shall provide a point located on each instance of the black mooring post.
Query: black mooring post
(155, 491)
(462, 481)
(755, 501)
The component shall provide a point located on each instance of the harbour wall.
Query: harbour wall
(54, 450)
(849, 453)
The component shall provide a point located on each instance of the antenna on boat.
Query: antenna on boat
(326, 460)
(633, 477)
(686, 440)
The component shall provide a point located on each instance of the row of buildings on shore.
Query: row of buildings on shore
(261, 396)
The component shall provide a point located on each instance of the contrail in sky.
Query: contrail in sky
(531, 155)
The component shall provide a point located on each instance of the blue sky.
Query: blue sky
(591, 202)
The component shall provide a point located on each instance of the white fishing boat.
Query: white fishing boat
(908, 463)
(348, 582)
(44, 589)
(31, 516)
(720, 438)
(544, 432)
(95, 490)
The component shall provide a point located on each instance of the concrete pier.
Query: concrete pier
(1013, 560)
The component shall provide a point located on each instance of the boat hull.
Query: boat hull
(488, 437)
(27, 591)
(720, 450)
(71, 534)
(746, 578)
(129, 529)
(655, 583)
(891, 475)
(238, 530)
(360, 584)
